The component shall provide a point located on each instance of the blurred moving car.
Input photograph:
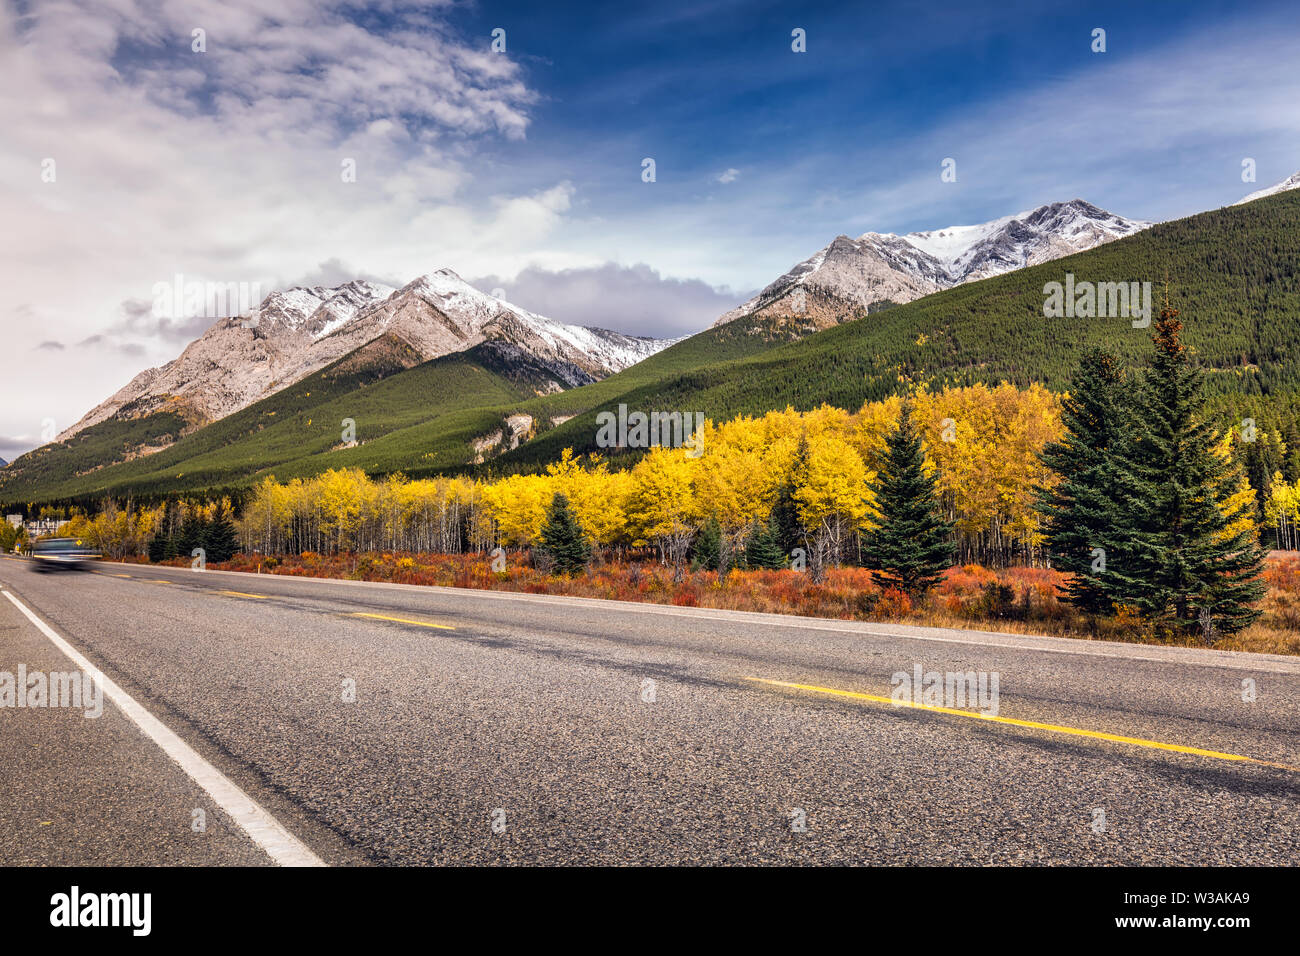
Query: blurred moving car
(52, 554)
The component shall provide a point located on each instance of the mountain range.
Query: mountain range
(296, 332)
(511, 389)
(850, 276)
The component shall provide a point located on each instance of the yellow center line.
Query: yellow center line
(245, 594)
(402, 620)
(1033, 724)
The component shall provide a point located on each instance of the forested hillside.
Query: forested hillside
(1234, 273)
(408, 416)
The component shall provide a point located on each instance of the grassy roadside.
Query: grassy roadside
(1017, 600)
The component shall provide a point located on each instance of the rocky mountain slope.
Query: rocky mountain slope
(852, 275)
(296, 332)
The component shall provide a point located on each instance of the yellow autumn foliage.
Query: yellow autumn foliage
(982, 441)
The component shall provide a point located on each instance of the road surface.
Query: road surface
(349, 723)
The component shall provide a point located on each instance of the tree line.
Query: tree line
(1124, 482)
(804, 479)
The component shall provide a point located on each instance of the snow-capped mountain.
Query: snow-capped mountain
(298, 331)
(852, 274)
(1291, 182)
(440, 313)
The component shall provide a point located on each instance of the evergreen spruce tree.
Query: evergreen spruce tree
(1181, 562)
(158, 546)
(193, 534)
(563, 539)
(221, 537)
(706, 551)
(170, 531)
(913, 546)
(1261, 462)
(763, 548)
(1080, 513)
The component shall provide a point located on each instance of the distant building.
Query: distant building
(15, 521)
(42, 527)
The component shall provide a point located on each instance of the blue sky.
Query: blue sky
(815, 137)
(522, 170)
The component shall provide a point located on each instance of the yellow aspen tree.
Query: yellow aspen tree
(834, 497)
(732, 482)
(663, 508)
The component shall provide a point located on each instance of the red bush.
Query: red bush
(893, 604)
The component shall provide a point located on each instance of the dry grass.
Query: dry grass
(1017, 600)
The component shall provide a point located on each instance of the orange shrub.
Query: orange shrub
(1019, 598)
(894, 604)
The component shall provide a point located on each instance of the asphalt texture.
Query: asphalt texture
(493, 728)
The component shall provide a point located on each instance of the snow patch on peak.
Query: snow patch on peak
(343, 305)
(314, 308)
(851, 274)
(1010, 242)
(1291, 182)
(300, 330)
(950, 244)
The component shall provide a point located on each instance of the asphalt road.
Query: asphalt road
(492, 728)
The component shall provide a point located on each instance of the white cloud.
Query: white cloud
(226, 166)
(633, 299)
(727, 176)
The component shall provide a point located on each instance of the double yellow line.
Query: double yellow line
(1031, 724)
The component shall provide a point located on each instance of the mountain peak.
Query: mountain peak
(850, 275)
(302, 329)
(1291, 182)
(438, 278)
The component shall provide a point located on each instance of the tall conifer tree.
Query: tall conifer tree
(1185, 562)
(1080, 513)
(221, 538)
(913, 546)
(763, 547)
(563, 538)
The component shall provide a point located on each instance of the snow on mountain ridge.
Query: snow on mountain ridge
(618, 349)
(1291, 182)
(950, 244)
(850, 274)
(295, 332)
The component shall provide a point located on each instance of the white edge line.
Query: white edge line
(262, 828)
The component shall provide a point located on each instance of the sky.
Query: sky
(129, 155)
